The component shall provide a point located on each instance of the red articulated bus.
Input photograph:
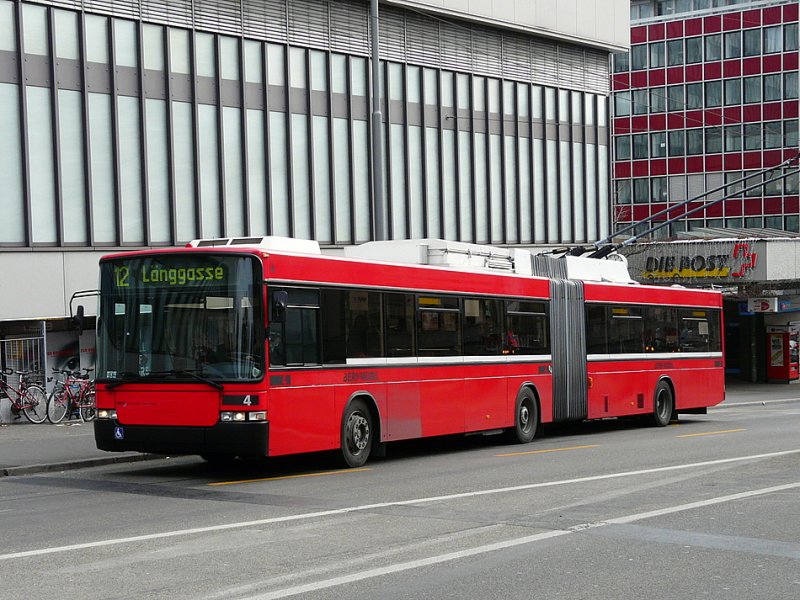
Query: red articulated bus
(260, 347)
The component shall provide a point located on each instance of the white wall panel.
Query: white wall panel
(575, 20)
(58, 275)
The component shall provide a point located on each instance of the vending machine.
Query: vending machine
(782, 354)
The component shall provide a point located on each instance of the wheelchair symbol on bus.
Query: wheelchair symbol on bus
(119, 433)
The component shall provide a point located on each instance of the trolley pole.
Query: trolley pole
(378, 201)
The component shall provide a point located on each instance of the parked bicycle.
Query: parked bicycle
(27, 398)
(72, 395)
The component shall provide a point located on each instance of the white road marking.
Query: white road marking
(450, 556)
(366, 507)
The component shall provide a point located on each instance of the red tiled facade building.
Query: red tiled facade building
(707, 94)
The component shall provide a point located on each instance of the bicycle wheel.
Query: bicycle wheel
(88, 410)
(57, 406)
(34, 404)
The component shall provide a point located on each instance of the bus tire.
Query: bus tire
(357, 434)
(526, 418)
(663, 405)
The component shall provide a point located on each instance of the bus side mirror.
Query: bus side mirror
(78, 319)
(279, 302)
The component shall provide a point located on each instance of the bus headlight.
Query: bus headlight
(105, 413)
(240, 416)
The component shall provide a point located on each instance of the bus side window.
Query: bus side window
(596, 330)
(527, 328)
(626, 331)
(294, 335)
(398, 310)
(277, 352)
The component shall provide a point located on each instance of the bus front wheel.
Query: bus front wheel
(663, 405)
(356, 434)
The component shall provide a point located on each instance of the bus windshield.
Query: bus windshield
(180, 316)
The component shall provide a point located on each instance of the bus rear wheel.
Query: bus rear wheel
(356, 434)
(663, 405)
(526, 418)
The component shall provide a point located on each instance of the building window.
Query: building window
(623, 147)
(713, 94)
(733, 138)
(793, 184)
(752, 42)
(790, 37)
(752, 136)
(657, 58)
(694, 141)
(752, 89)
(677, 145)
(694, 50)
(772, 87)
(790, 133)
(733, 44)
(773, 39)
(658, 145)
(773, 135)
(623, 191)
(642, 10)
(677, 188)
(732, 188)
(790, 90)
(675, 101)
(754, 222)
(638, 57)
(658, 100)
(713, 47)
(640, 102)
(791, 223)
(733, 92)
(659, 189)
(640, 143)
(621, 62)
(774, 187)
(641, 191)
(674, 53)
(694, 96)
(713, 140)
(622, 104)
(757, 190)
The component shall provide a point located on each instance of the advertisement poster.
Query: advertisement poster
(776, 350)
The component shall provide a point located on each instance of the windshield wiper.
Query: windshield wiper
(190, 373)
(136, 378)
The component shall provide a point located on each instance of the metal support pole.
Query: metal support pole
(379, 208)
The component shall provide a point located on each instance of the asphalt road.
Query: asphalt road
(704, 509)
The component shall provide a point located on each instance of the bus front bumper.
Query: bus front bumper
(234, 439)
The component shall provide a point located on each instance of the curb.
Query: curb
(755, 403)
(77, 464)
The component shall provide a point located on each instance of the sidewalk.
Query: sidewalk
(26, 448)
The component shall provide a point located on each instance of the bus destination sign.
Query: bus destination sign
(149, 275)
